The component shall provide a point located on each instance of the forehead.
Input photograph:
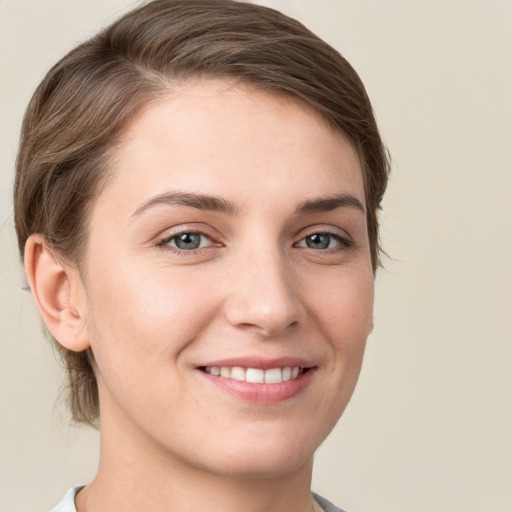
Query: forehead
(232, 140)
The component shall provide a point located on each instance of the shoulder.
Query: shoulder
(67, 504)
(326, 505)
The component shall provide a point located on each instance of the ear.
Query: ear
(56, 288)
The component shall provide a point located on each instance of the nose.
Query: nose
(263, 295)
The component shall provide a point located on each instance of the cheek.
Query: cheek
(141, 322)
(142, 315)
(346, 309)
(345, 319)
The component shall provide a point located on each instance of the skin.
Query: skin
(151, 313)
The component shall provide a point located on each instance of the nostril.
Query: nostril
(267, 319)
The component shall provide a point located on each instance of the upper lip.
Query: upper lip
(261, 362)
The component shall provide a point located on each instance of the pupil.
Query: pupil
(318, 241)
(188, 241)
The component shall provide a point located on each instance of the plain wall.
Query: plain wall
(429, 427)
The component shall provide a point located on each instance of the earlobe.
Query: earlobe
(54, 288)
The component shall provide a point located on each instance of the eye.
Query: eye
(187, 241)
(321, 241)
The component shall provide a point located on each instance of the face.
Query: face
(227, 285)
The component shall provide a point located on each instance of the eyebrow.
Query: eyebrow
(328, 203)
(199, 201)
(219, 204)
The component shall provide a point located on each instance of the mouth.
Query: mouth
(256, 375)
(258, 380)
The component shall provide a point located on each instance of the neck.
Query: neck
(141, 476)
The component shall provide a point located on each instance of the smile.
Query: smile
(255, 375)
(259, 380)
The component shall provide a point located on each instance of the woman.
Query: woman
(196, 204)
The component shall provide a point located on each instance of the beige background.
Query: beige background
(430, 425)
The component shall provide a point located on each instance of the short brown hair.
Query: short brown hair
(79, 111)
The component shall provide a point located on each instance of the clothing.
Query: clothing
(326, 505)
(68, 502)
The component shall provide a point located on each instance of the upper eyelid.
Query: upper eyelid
(188, 228)
(326, 230)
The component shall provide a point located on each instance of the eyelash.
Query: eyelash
(343, 242)
(165, 242)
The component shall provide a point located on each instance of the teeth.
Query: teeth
(237, 373)
(255, 375)
(274, 376)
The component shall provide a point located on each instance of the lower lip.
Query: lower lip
(261, 393)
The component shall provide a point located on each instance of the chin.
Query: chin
(264, 455)
(263, 465)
